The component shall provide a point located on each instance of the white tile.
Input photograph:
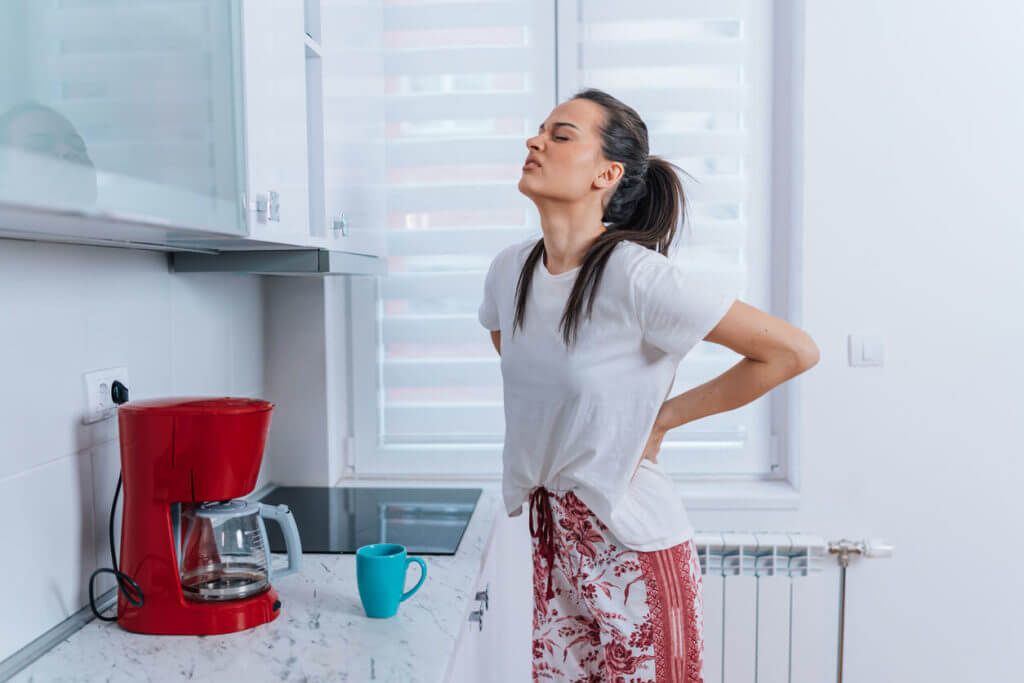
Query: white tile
(42, 324)
(200, 320)
(106, 466)
(48, 548)
(128, 321)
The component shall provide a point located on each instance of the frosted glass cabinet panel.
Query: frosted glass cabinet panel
(126, 108)
(355, 86)
(274, 83)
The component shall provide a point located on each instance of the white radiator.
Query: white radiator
(773, 605)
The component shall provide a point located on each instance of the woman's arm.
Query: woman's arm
(496, 340)
(774, 351)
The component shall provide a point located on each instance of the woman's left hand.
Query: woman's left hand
(654, 440)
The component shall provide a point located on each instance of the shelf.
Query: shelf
(313, 262)
(105, 228)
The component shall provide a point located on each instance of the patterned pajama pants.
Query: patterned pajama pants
(605, 612)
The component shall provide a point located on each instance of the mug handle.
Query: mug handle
(423, 575)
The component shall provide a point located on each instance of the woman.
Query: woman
(617, 583)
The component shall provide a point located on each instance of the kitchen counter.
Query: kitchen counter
(322, 633)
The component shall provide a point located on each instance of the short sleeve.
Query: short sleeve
(487, 314)
(677, 307)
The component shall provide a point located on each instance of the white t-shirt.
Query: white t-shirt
(579, 418)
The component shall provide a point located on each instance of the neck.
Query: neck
(569, 231)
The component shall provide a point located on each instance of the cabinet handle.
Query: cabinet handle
(482, 597)
(478, 616)
(340, 224)
(268, 206)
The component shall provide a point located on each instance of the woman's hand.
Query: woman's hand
(653, 446)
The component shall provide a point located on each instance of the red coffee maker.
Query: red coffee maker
(197, 551)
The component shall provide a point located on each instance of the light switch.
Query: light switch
(866, 349)
(872, 350)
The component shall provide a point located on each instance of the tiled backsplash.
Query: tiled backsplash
(65, 310)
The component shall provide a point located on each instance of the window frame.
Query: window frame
(777, 490)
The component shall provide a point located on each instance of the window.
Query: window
(464, 85)
(698, 73)
(467, 84)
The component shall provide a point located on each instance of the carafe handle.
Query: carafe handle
(283, 516)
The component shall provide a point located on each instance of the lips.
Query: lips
(530, 164)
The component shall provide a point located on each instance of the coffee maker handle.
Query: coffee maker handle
(283, 516)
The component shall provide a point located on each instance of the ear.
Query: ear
(609, 175)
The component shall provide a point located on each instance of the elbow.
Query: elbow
(805, 356)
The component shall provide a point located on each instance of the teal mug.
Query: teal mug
(380, 575)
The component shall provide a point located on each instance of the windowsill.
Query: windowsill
(777, 494)
(739, 495)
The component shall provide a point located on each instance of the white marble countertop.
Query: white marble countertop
(322, 633)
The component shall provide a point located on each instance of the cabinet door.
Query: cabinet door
(512, 602)
(475, 659)
(354, 128)
(274, 80)
(121, 120)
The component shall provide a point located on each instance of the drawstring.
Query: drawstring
(543, 531)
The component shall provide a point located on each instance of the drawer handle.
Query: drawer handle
(482, 597)
(478, 616)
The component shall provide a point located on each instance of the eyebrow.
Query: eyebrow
(557, 124)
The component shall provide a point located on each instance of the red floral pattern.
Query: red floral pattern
(617, 612)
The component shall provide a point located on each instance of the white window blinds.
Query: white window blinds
(468, 84)
(696, 72)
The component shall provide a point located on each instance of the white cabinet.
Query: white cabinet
(354, 126)
(476, 646)
(494, 644)
(207, 125)
(121, 121)
(274, 96)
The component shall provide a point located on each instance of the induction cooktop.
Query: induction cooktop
(340, 519)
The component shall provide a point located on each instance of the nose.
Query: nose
(533, 143)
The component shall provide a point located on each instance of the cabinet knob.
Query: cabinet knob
(268, 206)
(340, 224)
(482, 597)
(477, 615)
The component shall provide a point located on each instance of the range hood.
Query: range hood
(279, 262)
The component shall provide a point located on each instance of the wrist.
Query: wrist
(661, 425)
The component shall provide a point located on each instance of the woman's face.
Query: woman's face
(568, 147)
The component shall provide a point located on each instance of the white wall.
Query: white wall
(912, 227)
(308, 378)
(65, 310)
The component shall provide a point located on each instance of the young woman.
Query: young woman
(591, 322)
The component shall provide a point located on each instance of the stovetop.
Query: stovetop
(340, 519)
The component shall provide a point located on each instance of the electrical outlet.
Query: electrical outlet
(99, 405)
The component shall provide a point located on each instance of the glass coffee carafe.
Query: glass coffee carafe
(224, 554)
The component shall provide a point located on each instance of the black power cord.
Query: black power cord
(119, 394)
